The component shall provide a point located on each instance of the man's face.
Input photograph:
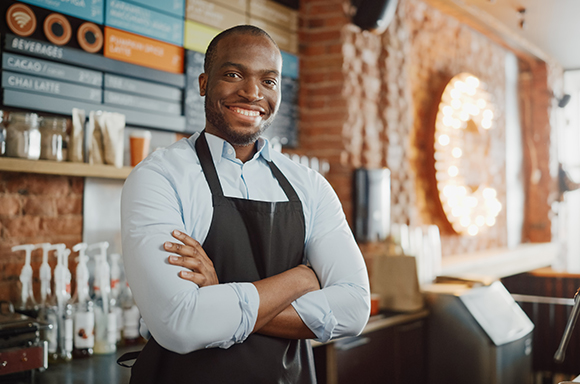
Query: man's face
(242, 88)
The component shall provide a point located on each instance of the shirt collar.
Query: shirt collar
(219, 148)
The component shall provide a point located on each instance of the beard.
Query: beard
(217, 120)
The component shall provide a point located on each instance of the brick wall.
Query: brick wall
(369, 100)
(36, 209)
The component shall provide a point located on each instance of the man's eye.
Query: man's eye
(232, 74)
(271, 83)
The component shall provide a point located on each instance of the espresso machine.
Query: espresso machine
(22, 351)
(561, 352)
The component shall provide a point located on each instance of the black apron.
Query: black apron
(247, 241)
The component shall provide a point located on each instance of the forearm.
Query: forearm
(279, 291)
(287, 324)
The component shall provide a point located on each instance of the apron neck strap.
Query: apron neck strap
(208, 167)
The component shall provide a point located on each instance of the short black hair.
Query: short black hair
(237, 30)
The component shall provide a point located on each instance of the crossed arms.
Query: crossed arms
(276, 316)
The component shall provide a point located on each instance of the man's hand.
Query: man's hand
(191, 255)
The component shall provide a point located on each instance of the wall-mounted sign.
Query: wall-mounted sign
(57, 29)
(51, 87)
(21, 20)
(173, 7)
(463, 154)
(140, 50)
(50, 69)
(198, 36)
(143, 21)
(33, 47)
(91, 10)
(90, 37)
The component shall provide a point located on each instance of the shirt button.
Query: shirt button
(230, 151)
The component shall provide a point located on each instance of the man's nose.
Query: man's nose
(250, 90)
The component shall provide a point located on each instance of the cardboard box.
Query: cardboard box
(198, 36)
(44, 68)
(143, 21)
(215, 15)
(19, 81)
(286, 40)
(275, 14)
(140, 87)
(140, 50)
(172, 7)
(91, 10)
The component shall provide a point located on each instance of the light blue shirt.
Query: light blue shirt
(168, 191)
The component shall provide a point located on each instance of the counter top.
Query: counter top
(385, 320)
(97, 369)
(100, 369)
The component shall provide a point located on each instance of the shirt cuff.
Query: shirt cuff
(315, 312)
(249, 301)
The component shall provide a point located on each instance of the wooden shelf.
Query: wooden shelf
(64, 168)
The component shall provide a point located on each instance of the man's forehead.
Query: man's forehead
(241, 42)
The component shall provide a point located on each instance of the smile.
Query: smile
(245, 112)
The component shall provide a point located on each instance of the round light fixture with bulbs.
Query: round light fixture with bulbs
(463, 124)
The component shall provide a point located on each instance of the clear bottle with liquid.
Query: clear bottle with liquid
(84, 315)
(62, 280)
(105, 317)
(116, 293)
(131, 317)
(27, 305)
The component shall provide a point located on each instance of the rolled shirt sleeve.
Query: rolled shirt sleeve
(180, 316)
(342, 306)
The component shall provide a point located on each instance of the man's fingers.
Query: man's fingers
(187, 262)
(194, 277)
(187, 240)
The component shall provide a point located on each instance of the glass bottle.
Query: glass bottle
(2, 134)
(131, 316)
(53, 138)
(84, 314)
(23, 136)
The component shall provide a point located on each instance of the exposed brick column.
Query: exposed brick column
(36, 209)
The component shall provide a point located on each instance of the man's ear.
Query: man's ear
(202, 84)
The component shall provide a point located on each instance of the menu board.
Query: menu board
(193, 103)
(284, 127)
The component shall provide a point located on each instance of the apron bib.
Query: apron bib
(247, 241)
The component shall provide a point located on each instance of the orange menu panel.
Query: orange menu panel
(140, 50)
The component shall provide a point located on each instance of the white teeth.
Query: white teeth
(246, 112)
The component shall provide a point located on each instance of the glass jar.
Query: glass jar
(23, 136)
(2, 134)
(53, 138)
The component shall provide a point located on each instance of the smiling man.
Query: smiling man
(218, 231)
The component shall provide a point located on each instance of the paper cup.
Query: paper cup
(139, 141)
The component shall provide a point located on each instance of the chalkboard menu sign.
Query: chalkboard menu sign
(284, 127)
(193, 103)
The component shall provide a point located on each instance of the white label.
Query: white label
(68, 335)
(119, 323)
(112, 328)
(84, 330)
(131, 322)
(52, 334)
